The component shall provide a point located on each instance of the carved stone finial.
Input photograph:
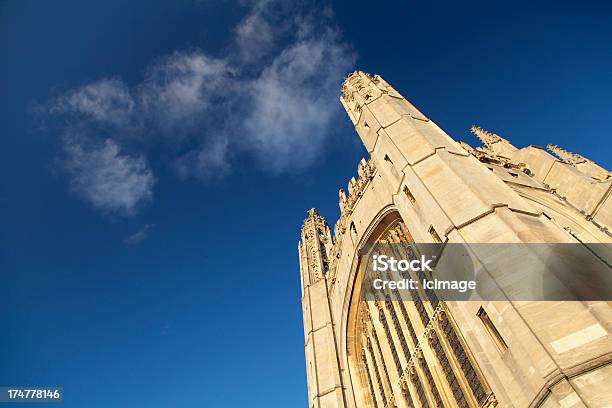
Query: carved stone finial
(568, 157)
(352, 186)
(342, 200)
(361, 87)
(317, 241)
(346, 84)
(314, 219)
(356, 188)
(486, 137)
(362, 168)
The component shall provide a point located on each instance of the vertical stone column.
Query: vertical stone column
(446, 184)
(323, 370)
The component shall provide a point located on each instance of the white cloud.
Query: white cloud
(254, 36)
(260, 31)
(108, 179)
(108, 101)
(181, 86)
(294, 101)
(206, 163)
(138, 236)
(271, 94)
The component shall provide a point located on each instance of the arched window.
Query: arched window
(392, 341)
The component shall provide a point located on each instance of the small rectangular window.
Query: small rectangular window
(409, 195)
(492, 330)
(513, 174)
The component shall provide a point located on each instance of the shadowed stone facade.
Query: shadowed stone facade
(421, 186)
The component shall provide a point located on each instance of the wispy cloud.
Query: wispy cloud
(266, 25)
(271, 94)
(181, 87)
(294, 100)
(138, 236)
(210, 161)
(108, 179)
(106, 101)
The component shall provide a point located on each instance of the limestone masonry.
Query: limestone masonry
(421, 186)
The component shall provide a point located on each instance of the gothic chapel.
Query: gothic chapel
(421, 186)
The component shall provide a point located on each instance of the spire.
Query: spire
(314, 220)
(485, 136)
(569, 157)
(315, 246)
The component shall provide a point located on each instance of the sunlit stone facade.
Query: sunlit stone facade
(419, 185)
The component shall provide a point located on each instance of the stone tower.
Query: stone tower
(421, 186)
(323, 370)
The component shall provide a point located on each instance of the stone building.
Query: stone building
(421, 186)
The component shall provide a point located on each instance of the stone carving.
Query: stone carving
(564, 155)
(486, 137)
(357, 90)
(316, 234)
(457, 351)
(575, 160)
(342, 200)
(485, 155)
(356, 187)
(315, 228)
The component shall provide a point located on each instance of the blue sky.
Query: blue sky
(158, 159)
